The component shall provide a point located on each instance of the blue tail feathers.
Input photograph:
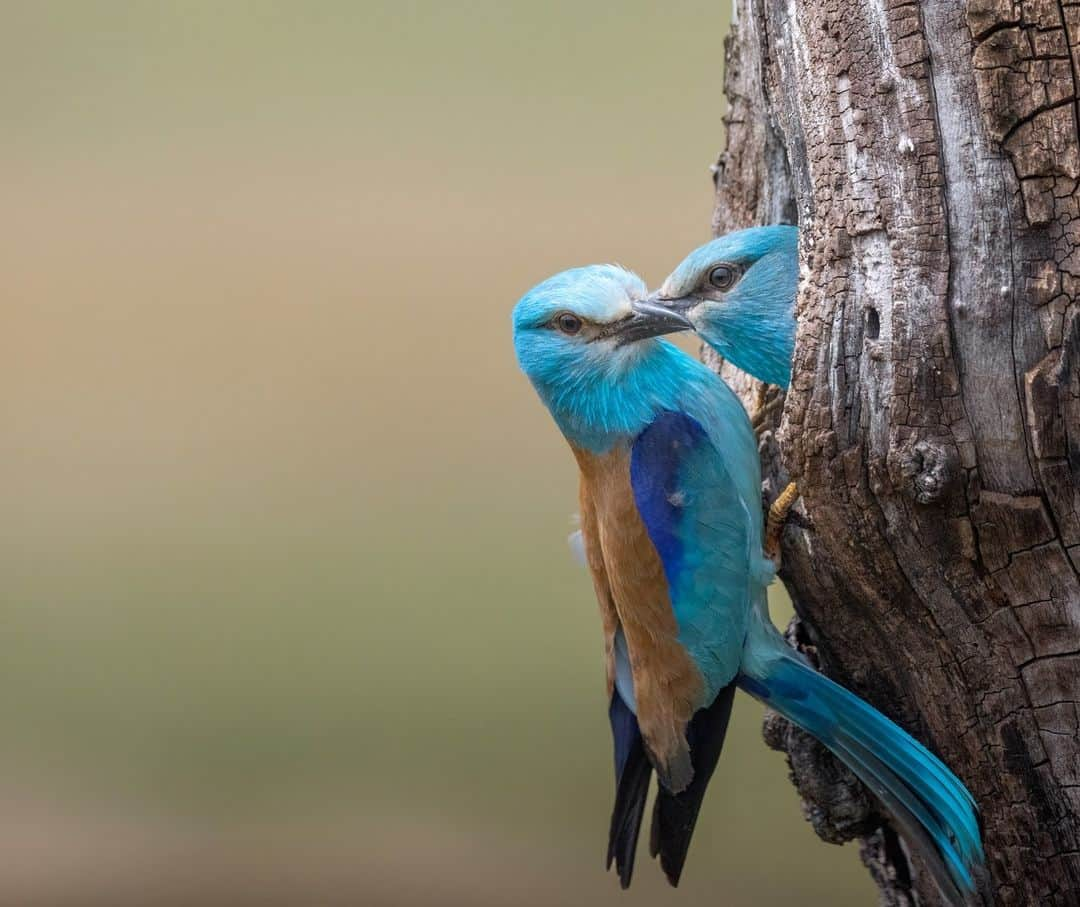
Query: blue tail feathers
(930, 805)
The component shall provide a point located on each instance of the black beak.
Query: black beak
(650, 320)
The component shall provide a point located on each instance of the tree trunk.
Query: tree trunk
(930, 154)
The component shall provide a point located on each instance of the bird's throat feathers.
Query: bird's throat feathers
(607, 397)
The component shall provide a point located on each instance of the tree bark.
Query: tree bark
(930, 154)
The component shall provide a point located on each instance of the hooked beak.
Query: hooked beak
(650, 320)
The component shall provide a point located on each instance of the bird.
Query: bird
(669, 495)
(738, 291)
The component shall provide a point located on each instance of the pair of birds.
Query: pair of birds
(672, 528)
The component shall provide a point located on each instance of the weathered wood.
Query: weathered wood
(930, 153)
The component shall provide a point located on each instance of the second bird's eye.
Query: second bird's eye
(723, 277)
(568, 324)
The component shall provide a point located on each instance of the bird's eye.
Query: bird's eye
(723, 277)
(567, 323)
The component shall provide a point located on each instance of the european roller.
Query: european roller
(672, 527)
(738, 292)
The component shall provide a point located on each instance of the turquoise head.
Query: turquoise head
(588, 341)
(739, 293)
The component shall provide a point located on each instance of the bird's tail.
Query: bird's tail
(933, 810)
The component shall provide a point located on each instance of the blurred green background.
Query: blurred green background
(288, 613)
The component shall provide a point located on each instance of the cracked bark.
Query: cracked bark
(930, 153)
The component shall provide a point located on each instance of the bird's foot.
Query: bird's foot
(778, 514)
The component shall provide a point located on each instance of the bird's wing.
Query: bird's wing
(702, 529)
(665, 685)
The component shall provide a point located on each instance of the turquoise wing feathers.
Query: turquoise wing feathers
(694, 516)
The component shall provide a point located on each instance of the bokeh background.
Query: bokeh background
(288, 615)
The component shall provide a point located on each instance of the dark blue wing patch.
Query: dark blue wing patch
(655, 462)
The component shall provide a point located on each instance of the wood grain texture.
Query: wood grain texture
(629, 576)
(932, 155)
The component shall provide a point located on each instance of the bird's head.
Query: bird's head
(739, 293)
(587, 340)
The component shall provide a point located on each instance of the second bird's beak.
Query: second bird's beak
(651, 320)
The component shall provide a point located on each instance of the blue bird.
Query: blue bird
(672, 527)
(738, 292)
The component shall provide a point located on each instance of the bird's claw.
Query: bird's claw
(778, 514)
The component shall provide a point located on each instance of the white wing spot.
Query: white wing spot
(676, 499)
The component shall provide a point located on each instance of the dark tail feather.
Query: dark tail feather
(632, 773)
(674, 815)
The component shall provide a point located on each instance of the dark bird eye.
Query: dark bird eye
(723, 277)
(568, 324)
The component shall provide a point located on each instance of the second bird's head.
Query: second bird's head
(587, 340)
(739, 293)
